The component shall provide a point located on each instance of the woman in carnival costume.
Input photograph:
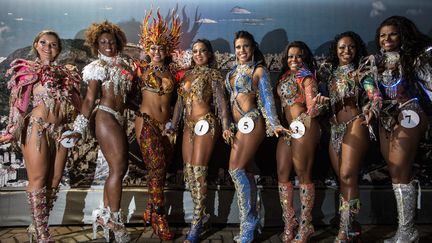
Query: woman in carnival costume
(111, 76)
(157, 85)
(253, 110)
(53, 91)
(297, 89)
(349, 127)
(404, 75)
(200, 93)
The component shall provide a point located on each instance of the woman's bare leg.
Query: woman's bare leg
(284, 160)
(245, 146)
(113, 144)
(354, 147)
(303, 153)
(187, 146)
(57, 168)
(399, 149)
(36, 160)
(203, 147)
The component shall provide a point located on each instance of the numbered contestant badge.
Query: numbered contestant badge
(409, 118)
(246, 125)
(298, 129)
(201, 127)
(67, 142)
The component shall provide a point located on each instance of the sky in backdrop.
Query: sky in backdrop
(312, 21)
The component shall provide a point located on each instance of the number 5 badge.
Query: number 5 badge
(246, 125)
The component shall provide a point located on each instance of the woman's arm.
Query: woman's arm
(311, 92)
(21, 86)
(221, 103)
(220, 100)
(177, 115)
(375, 99)
(266, 102)
(81, 122)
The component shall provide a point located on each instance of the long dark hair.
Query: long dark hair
(257, 55)
(212, 60)
(359, 45)
(412, 42)
(307, 57)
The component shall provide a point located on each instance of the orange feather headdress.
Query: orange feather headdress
(158, 33)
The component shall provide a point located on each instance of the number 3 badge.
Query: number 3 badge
(298, 129)
(409, 118)
(201, 127)
(246, 125)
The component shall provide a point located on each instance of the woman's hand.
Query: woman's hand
(6, 138)
(371, 110)
(228, 136)
(168, 131)
(280, 131)
(368, 117)
(320, 100)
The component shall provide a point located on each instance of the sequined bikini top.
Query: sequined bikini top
(342, 84)
(391, 78)
(59, 84)
(150, 81)
(242, 79)
(111, 72)
(290, 87)
(201, 86)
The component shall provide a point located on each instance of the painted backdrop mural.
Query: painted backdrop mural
(273, 22)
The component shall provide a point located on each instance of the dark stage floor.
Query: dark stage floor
(218, 233)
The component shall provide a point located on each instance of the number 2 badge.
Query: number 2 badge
(67, 142)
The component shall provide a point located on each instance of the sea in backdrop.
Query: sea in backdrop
(313, 21)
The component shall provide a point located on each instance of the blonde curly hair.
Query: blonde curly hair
(97, 29)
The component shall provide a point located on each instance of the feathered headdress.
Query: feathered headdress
(158, 33)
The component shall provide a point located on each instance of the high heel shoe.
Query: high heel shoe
(108, 220)
(198, 187)
(156, 211)
(119, 229)
(349, 229)
(288, 213)
(100, 217)
(51, 197)
(306, 229)
(40, 215)
(197, 230)
(406, 202)
(31, 232)
(246, 199)
(147, 216)
(160, 224)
